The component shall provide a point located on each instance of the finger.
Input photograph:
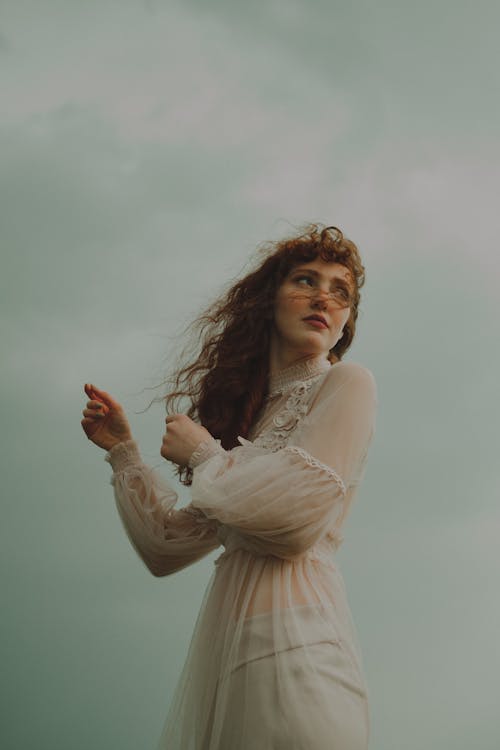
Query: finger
(95, 405)
(96, 409)
(172, 417)
(96, 394)
(93, 394)
(100, 410)
(93, 414)
(88, 390)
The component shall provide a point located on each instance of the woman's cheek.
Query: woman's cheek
(293, 304)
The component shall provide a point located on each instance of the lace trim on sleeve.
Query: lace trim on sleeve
(205, 450)
(123, 455)
(311, 461)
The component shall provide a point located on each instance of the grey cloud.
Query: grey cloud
(77, 207)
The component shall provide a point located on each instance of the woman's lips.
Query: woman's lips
(316, 323)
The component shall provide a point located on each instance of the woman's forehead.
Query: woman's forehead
(330, 270)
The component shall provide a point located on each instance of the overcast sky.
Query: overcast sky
(146, 149)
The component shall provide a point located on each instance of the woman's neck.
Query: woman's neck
(301, 370)
(278, 363)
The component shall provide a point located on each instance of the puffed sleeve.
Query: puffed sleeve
(288, 499)
(167, 540)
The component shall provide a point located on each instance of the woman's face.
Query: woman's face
(315, 288)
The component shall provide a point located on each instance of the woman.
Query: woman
(274, 446)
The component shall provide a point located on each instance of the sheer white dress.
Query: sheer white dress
(274, 662)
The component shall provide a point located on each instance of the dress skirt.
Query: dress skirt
(285, 677)
(296, 694)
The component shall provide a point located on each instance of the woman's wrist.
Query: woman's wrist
(126, 439)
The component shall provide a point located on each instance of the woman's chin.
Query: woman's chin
(313, 348)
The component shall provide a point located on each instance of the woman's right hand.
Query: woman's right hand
(104, 421)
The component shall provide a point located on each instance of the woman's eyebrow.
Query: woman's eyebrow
(317, 274)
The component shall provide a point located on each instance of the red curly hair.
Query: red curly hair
(226, 384)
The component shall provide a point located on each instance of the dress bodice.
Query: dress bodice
(290, 393)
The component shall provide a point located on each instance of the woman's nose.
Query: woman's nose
(320, 298)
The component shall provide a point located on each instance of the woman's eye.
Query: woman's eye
(303, 278)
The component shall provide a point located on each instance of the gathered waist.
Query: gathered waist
(315, 554)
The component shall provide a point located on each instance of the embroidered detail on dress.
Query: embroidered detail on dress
(311, 461)
(287, 418)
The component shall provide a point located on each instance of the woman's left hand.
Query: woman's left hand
(182, 437)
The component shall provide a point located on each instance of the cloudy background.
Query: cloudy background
(146, 149)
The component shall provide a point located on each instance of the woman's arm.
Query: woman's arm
(287, 500)
(166, 539)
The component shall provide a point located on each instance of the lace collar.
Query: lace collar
(304, 370)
